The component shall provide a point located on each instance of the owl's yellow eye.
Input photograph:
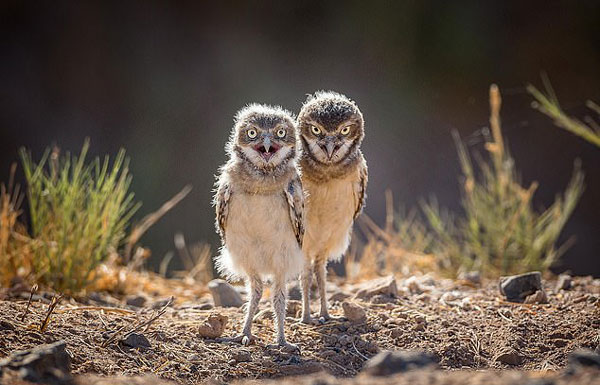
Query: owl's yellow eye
(251, 133)
(315, 130)
(281, 133)
(345, 130)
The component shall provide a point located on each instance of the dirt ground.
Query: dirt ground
(470, 329)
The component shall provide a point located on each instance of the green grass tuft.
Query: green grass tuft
(79, 214)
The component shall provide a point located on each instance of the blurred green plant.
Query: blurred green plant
(548, 104)
(79, 214)
(500, 232)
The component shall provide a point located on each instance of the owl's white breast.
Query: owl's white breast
(259, 237)
(330, 208)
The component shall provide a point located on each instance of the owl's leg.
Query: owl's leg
(306, 279)
(255, 286)
(321, 272)
(279, 310)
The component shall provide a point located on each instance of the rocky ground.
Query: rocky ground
(466, 327)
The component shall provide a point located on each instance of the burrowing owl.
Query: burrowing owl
(334, 175)
(260, 209)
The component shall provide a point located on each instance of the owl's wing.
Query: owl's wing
(360, 188)
(221, 202)
(295, 199)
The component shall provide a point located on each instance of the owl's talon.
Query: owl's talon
(244, 339)
(309, 321)
(326, 318)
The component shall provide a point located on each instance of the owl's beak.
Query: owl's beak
(330, 148)
(267, 144)
(267, 149)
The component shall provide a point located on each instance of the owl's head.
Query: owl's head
(331, 127)
(264, 137)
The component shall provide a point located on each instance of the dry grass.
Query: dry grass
(80, 212)
(500, 232)
(15, 245)
(197, 261)
(547, 103)
(400, 247)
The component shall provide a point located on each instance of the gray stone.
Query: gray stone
(135, 300)
(517, 287)
(135, 340)
(48, 364)
(224, 294)
(390, 362)
(584, 357)
(413, 285)
(473, 277)
(353, 312)
(385, 286)
(564, 282)
(241, 356)
(509, 357)
(382, 298)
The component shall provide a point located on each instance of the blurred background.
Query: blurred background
(164, 80)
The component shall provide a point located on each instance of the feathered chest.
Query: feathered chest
(259, 216)
(331, 203)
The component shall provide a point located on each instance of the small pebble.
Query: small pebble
(353, 312)
(135, 340)
(213, 326)
(241, 356)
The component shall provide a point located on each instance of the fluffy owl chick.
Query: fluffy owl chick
(334, 176)
(259, 205)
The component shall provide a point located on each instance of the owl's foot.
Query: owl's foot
(326, 317)
(285, 347)
(244, 339)
(308, 320)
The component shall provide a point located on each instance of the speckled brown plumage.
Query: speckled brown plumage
(259, 203)
(334, 176)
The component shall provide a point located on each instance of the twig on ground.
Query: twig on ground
(359, 353)
(139, 326)
(147, 324)
(503, 316)
(101, 308)
(34, 288)
(159, 367)
(55, 300)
